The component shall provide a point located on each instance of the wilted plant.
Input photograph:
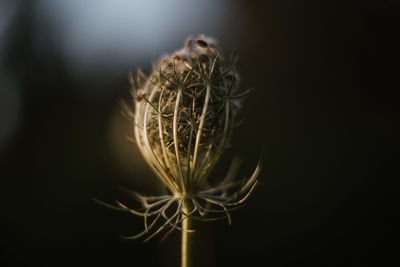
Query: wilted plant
(183, 117)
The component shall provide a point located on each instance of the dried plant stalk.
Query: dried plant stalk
(184, 113)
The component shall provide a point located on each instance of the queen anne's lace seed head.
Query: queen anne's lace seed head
(184, 113)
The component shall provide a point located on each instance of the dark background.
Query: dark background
(323, 108)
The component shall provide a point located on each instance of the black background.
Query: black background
(323, 108)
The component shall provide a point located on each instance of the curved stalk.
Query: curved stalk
(142, 141)
(199, 131)
(175, 135)
(153, 159)
(166, 158)
(220, 148)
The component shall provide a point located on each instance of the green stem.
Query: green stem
(187, 237)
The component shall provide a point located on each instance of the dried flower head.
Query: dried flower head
(184, 114)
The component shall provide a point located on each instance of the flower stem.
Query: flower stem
(187, 237)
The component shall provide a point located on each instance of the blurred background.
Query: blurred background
(322, 108)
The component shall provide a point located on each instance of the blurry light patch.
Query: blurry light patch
(10, 110)
(7, 11)
(125, 158)
(124, 34)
